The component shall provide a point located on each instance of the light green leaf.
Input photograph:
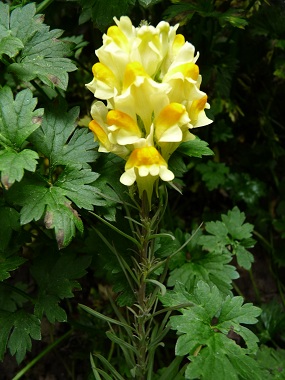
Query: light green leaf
(13, 164)
(231, 232)
(244, 257)
(203, 330)
(222, 359)
(195, 148)
(234, 222)
(17, 330)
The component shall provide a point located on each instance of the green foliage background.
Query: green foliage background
(51, 257)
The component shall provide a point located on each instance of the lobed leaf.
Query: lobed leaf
(60, 141)
(195, 148)
(39, 52)
(9, 222)
(214, 174)
(17, 331)
(18, 119)
(101, 15)
(56, 276)
(13, 164)
(203, 330)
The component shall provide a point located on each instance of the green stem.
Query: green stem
(43, 353)
(255, 288)
(43, 5)
(142, 345)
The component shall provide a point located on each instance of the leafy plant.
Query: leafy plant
(184, 273)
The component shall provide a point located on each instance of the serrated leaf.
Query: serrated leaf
(273, 320)
(13, 164)
(61, 142)
(10, 298)
(73, 183)
(18, 119)
(204, 327)
(9, 44)
(8, 264)
(101, 15)
(56, 276)
(43, 54)
(244, 257)
(17, 330)
(224, 360)
(195, 148)
(214, 174)
(231, 232)
(24, 22)
(41, 201)
(210, 267)
(193, 264)
(234, 222)
(49, 305)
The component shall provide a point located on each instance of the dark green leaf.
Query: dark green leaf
(13, 164)
(101, 15)
(195, 148)
(9, 222)
(8, 264)
(56, 276)
(214, 174)
(17, 330)
(43, 54)
(18, 119)
(9, 44)
(60, 141)
(272, 363)
(10, 298)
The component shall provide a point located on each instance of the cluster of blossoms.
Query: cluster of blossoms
(150, 84)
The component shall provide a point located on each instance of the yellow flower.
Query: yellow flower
(196, 110)
(141, 94)
(123, 128)
(99, 127)
(145, 165)
(104, 85)
(150, 79)
(170, 127)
